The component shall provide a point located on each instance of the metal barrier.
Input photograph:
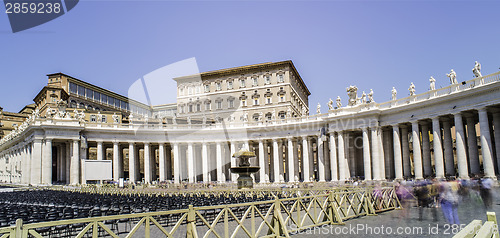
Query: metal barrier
(274, 218)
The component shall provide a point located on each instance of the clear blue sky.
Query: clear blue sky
(334, 44)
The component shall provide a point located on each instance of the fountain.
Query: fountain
(244, 170)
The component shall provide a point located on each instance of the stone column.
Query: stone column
(398, 160)
(47, 162)
(100, 152)
(234, 177)
(204, 162)
(162, 162)
(69, 151)
(426, 150)
(496, 131)
(262, 164)
(463, 171)
(305, 158)
(131, 162)
(276, 161)
(36, 162)
(291, 161)
(190, 163)
(367, 164)
(27, 172)
(486, 149)
(438, 148)
(375, 155)
(417, 152)
(177, 165)
(472, 144)
(405, 146)
(448, 149)
(321, 159)
(341, 157)
(381, 154)
(147, 163)
(75, 163)
(333, 157)
(116, 161)
(311, 159)
(220, 167)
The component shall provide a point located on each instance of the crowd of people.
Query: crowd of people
(446, 195)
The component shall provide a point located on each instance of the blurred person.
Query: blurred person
(404, 197)
(449, 201)
(485, 192)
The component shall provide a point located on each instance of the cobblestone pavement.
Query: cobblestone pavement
(395, 224)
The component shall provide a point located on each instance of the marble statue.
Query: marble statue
(412, 89)
(330, 104)
(261, 116)
(245, 117)
(370, 96)
(116, 118)
(131, 117)
(81, 116)
(304, 111)
(477, 70)
(204, 120)
(338, 102)
(352, 92)
(188, 119)
(318, 109)
(453, 77)
(273, 115)
(146, 118)
(289, 112)
(394, 93)
(99, 117)
(363, 97)
(432, 83)
(174, 120)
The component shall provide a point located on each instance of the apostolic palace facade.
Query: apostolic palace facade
(76, 132)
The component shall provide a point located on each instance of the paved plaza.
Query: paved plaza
(394, 222)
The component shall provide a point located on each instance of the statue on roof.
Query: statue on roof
(477, 70)
(453, 77)
(432, 85)
(394, 93)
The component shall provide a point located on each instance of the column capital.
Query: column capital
(131, 143)
(116, 143)
(458, 113)
(161, 143)
(365, 129)
(483, 109)
(146, 142)
(395, 126)
(414, 122)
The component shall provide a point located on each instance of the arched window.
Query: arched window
(281, 115)
(81, 105)
(73, 104)
(255, 117)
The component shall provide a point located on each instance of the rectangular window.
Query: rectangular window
(190, 108)
(81, 90)
(282, 98)
(281, 78)
(268, 100)
(231, 103)
(243, 102)
(104, 98)
(219, 105)
(255, 82)
(255, 101)
(117, 103)
(268, 79)
(198, 107)
(219, 86)
(97, 96)
(230, 85)
(92, 118)
(73, 88)
(197, 89)
(207, 88)
(104, 119)
(89, 93)
(242, 83)
(207, 106)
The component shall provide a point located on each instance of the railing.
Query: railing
(495, 77)
(477, 230)
(274, 218)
